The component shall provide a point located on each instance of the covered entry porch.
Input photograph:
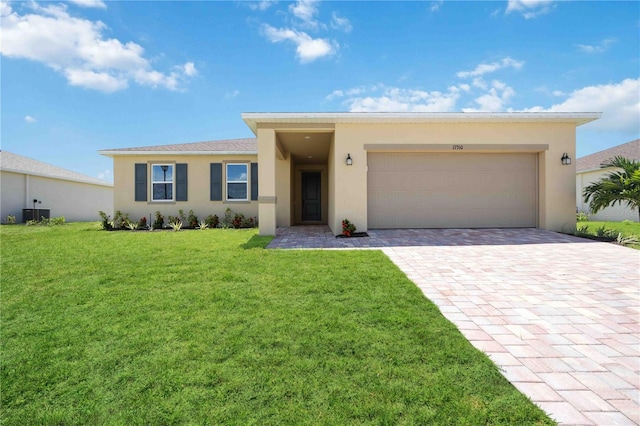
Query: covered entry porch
(298, 158)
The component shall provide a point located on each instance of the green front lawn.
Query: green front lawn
(628, 229)
(207, 327)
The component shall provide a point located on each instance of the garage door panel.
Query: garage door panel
(440, 190)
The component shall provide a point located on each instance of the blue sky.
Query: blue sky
(86, 75)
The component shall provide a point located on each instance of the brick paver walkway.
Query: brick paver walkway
(559, 315)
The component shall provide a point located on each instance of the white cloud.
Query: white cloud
(355, 91)
(335, 94)
(598, 48)
(76, 48)
(436, 5)
(95, 80)
(189, 69)
(394, 99)
(90, 3)
(304, 20)
(308, 49)
(492, 67)
(306, 11)
(497, 96)
(339, 23)
(106, 175)
(232, 94)
(260, 5)
(619, 103)
(29, 119)
(530, 8)
(479, 95)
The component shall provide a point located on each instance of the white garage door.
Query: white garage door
(443, 190)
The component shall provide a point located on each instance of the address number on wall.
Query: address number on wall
(457, 147)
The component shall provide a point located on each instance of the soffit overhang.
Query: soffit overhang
(254, 119)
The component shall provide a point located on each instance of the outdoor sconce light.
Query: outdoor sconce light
(566, 160)
(349, 160)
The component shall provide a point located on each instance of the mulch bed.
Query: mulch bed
(354, 235)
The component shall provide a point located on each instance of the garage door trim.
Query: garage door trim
(437, 147)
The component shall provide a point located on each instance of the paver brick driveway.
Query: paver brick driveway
(558, 314)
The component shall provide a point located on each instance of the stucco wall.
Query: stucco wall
(12, 195)
(616, 213)
(198, 176)
(76, 201)
(283, 192)
(556, 182)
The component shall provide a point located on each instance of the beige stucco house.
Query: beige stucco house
(588, 170)
(379, 170)
(62, 192)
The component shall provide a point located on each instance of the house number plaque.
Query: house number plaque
(457, 147)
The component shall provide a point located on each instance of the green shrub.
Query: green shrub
(582, 231)
(192, 219)
(133, 225)
(120, 220)
(158, 223)
(56, 221)
(227, 220)
(176, 226)
(212, 221)
(11, 220)
(348, 228)
(582, 217)
(105, 221)
(603, 232)
(181, 215)
(48, 222)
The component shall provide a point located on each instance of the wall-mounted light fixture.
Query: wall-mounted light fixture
(566, 160)
(349, 160)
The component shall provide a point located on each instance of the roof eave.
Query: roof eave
(252, 119)
(115, 152)
(45, 175)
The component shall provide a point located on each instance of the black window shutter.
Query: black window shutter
(141, 182)
(254, 181)
(216, 182)
(181, 182)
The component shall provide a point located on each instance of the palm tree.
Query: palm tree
(618, 186)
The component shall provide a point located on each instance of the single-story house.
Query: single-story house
(379, 170)
(30, 184)
(588, 170)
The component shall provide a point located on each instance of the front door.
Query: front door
(311, 195)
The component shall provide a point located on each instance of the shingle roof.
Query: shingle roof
(11, 162)
(629, 150)
(248, 145)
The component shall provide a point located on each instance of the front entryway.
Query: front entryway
(311, 196)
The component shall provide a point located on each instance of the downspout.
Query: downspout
(26, 191)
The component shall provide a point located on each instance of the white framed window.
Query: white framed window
(237, 175)
(162, 182)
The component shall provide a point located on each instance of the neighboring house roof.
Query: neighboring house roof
(578, 118)
(629, 150)
(10, 162)
(228, 146)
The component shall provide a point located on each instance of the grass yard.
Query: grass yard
(207, 327)
(626, 228)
